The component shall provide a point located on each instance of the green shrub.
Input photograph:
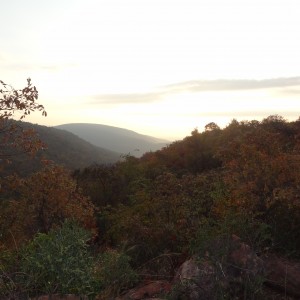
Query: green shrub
(214, 244)
(8, 266)
(115, 273)
(250, 229)
(58, 262)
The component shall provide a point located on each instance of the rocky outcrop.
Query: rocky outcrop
(60, 297)
(229, 267)
(282, 274)
(147, 291)
(194, 280)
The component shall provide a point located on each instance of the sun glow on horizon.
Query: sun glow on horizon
(109, 61)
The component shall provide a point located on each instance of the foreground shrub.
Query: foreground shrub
(8, 267)
(58, 262)
(115, 273)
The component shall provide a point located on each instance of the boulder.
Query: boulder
(228, 268)
(60, 297)
(194, 280)
(282, 274)
(148, 290)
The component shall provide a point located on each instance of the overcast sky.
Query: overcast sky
(157, 67)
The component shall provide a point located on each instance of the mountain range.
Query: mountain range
(116, 139)
(80, 145)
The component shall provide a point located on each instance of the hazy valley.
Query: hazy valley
(124, 141)
(77, 146)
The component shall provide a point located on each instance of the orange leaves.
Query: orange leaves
(44, 200)
(258, 161)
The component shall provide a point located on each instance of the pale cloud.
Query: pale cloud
(197, 86)
(126, 98)
(290, 91)
(231, 85)
(22, 66)
(251, 114)
(13, 62)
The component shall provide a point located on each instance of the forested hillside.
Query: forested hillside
(59, 146)
(245, 176)
(105, 228)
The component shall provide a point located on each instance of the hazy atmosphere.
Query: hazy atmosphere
(160, 68)
(150, 149)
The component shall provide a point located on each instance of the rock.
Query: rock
(60, 297)
(242, 261)
(228, 268)
(147, 291)
(194, 280)
(282, 274)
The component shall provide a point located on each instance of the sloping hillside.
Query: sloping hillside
(116, 139)
(63, 148)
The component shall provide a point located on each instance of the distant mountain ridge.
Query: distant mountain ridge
(114, 138)
(62, 147)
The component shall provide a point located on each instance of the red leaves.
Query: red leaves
(42, 201)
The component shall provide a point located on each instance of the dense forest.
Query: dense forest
(103, 229)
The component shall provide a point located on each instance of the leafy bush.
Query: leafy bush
(8, 267)
(58, 262)
(114, 272)
(214, 243)
(254, 232)
(163, 216)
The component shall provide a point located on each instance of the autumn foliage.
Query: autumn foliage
(41, 202)
(246, 173)
(243, 179)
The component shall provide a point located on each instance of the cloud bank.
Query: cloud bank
(196, 86)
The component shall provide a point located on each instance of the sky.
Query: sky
(158, 67)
